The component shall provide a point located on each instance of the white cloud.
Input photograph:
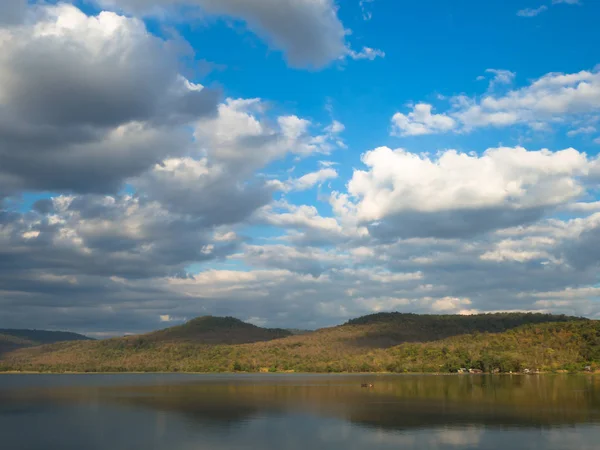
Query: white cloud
(501, 76)
(553, 98)
(366, 53)
(327, 163)
(335, 127)
(243, 137)
(309, 31)
(417, 233)
(450, 304)
(532, 12)
(211, 192)
(285, 284)
(305, 260)
(220, 184)
(303, 217)
(225, 236)
(570, 293)
(583, 130)
(511, 178)
(421, 121)
(365, 8)
(310, 180)
(521, 250)
(97, 98)
(583, 207)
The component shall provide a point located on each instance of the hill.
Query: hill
(13, 339)
(9, 343)
(378, 343)
(384, 330)
(214, 330)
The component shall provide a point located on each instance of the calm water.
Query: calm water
(201, 412)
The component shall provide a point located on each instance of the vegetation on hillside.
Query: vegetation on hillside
(383, 343)
(9, 343)
(214, 330)
(389, 329)
(14, 339)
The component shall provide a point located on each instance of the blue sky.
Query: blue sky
(296, 163)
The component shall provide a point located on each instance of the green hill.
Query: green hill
(214, 330)
(378, 343)
(13, 339)
(384, 330)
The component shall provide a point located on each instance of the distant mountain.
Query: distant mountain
(391, 342)
(211, 330)
(13, 339)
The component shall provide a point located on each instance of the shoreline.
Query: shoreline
(17, 372)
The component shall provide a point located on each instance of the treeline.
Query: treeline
(554, 346)
(11, 339)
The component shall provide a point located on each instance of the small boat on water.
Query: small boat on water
(367, 385)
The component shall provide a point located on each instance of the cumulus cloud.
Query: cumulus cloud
(88, 103)
(106, 236)
(301, 217)
(241, 136)
(99, 277)
(309, 31)
(405, 194)
(12, 11)
(220, 185)
(534, 248)
(97, 98)
(555, 97)
(421, 121)
(581, 248)
(303, 260)
(212, 194)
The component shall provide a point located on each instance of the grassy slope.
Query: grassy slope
(368, 344)
(9, 343)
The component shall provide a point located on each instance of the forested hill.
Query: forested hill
(377, 343)
(388, 329)
(215, 330)
(13, 339)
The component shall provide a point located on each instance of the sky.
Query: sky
(296, 163)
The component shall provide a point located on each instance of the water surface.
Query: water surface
(202, 412)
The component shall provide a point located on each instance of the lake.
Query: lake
(202, 412)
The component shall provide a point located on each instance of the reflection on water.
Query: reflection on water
(292, 412)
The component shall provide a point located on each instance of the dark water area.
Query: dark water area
(299, 412)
